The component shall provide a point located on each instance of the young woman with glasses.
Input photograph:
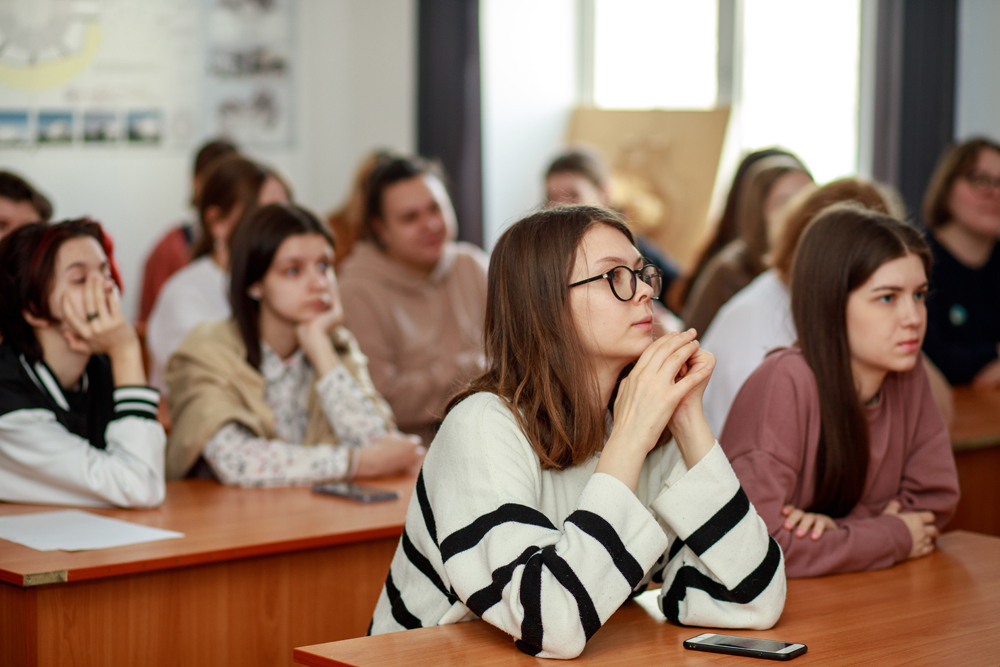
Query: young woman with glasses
(579, 467)
(962, 210)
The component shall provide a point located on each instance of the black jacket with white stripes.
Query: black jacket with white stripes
(549, 555)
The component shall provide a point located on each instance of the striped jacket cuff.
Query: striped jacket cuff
(143, 402)
(693, 497)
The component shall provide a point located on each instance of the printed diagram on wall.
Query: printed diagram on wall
(248, 71)
(98, 72)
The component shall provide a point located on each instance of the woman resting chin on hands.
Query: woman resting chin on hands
(553, 491)
(280, 394)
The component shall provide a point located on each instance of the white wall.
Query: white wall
(355, 91)
(528, 91)
(977, 94)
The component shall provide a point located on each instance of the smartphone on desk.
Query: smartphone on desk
(365, 494)
(746, 646)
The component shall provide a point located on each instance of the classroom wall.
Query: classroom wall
(355, 90)
(977, 94)
(529, 90)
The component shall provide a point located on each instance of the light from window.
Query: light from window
(800, 81)
(655, 54)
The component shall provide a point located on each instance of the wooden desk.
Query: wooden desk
(258, 572)
(942, 609)
(975, 437)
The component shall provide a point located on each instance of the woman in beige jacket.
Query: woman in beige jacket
(280, 394)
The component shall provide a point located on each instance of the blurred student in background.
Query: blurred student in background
(77, 421)
(173, 252)
(837, 441)
(347, 223)
(766, 187)
(280, 393)
(580, 176)
(414, 297)
(20, 203)
(759, 318)
(234, 187)
(962, 211)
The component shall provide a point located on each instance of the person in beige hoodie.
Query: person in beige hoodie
(413, 296)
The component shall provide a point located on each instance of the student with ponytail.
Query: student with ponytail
(838, 440)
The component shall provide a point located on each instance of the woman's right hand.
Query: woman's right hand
(646, 401)
(923, 532)
(393, 453)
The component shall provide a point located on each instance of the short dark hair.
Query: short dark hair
(28, 257)
(389, 170)
(212, 151)
(584, 161)
(15, 188)
(252, 250)
(958, 160)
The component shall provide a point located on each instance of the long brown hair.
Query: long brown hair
(804, 206)
(536, 360)
(230, 181)
(958, 160)
(838, 253)
(727, 227)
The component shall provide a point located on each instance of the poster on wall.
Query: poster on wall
(99, 73)
(248, 71)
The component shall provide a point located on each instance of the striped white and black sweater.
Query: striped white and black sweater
(548, 556)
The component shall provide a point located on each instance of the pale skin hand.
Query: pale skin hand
(801, 522)
(989, 375)
(923, 532)
(646, 401)
(314, 337)
(109, 333)
(393, 453)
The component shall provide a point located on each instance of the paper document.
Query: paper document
(75, 530)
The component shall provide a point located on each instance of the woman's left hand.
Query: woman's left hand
(314, 337)
(801, 522)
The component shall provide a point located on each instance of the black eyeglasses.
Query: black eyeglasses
(982, 182)
(623, 280)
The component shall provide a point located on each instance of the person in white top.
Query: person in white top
(554, 491)
(77, 421)
(234, 187)
(759, 318)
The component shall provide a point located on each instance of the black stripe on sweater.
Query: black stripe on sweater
(399, 610)
(745, 592)
(721, 523)
(565, 575)
(480, 601)
(425, 508)
(531, 601)
(675, 548)
(420, 562)
(602, 531)
(468, 537)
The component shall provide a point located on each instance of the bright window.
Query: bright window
(655, 54)
(800, 81)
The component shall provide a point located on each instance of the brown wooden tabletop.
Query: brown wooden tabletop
(219, 523)
(977, 418)
(940, 610)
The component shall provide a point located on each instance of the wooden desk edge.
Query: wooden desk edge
(27, 579)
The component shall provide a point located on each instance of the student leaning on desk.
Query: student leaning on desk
(553, 492)
(77, 421)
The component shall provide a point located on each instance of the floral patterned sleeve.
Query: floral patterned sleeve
(349, 410)
(240, 458)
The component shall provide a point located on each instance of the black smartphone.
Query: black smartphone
(366, 494)
(748, 646)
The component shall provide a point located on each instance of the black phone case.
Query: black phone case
(746, 652)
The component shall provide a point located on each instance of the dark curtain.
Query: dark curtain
(448, 103)
(915, 92)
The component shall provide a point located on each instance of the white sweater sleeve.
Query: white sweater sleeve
(42, 462)
(476, 540)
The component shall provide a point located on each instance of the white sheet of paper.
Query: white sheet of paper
(75, 530)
